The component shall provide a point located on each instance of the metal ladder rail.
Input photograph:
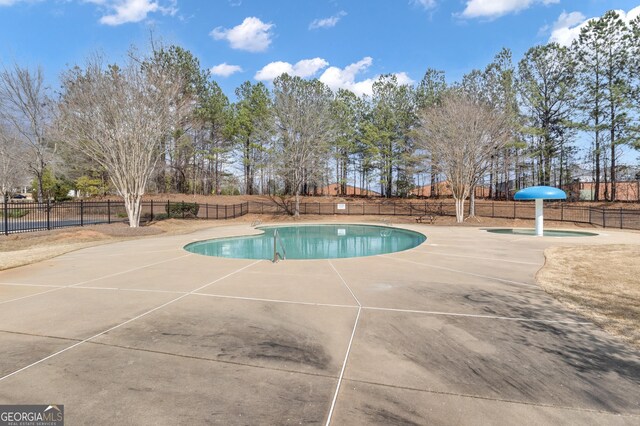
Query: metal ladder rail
(277, 256)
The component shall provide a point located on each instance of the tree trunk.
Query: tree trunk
(472, 202)
(296, 213)
(432, 177)
(248, 172)
(612, 173)
(459, 210)
(39, 176)
(132, 206)
(596, 196)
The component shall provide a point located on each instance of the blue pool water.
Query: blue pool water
(312, 242)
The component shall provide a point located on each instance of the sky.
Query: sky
(344, 43)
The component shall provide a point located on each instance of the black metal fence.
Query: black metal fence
(558, 211)
(29, 216)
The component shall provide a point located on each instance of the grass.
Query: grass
(599, 282)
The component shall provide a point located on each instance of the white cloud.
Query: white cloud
(568, 25)
(304, 68)
(497, 8)
(125, 11)
(334, 77)
(251, 35)
(345, 78)
(225, 70)
(567, 28)
(120, 12)
(327, 22)
(427, 4)
(403, 78)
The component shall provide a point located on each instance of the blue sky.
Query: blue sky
(345, 43)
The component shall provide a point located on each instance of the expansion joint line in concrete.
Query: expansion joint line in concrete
(346, 356)
(129, 270)
(457, 271)
(488, 398)
(95, 279)
(126, 322)
(493, 259)
(32, 295)
(327, 305)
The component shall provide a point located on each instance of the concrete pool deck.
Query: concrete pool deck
(455, 331)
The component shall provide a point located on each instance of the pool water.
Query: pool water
(546, 232)
(312, 242)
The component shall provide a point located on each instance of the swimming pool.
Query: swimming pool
(312, 242)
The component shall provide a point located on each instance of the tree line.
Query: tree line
(159, 122)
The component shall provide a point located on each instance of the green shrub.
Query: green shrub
(182, 209)
(90, 187)
(56, 188)
(156, 217)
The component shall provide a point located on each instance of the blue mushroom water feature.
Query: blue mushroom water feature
(540, 193)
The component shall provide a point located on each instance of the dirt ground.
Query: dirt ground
(600, 283)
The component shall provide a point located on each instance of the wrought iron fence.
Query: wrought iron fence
(555, 211)
(30, 216)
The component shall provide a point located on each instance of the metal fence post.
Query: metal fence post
(151, 215)
(6, 216)
(206, 210)
(225, 211)
(604, 218)
(514, 210)
(109, 211)
(561, 212)
(81, 213)
(620, 217)
(48, 216)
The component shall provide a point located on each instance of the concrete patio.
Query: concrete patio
(455, 331)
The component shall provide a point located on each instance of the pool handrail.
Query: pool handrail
(276, 239)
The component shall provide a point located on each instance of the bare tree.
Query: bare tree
(12, 167)
(120, 117)
(26, 109)
(462, 134)
(304, 128)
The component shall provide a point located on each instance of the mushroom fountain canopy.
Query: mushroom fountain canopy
(540, 192)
